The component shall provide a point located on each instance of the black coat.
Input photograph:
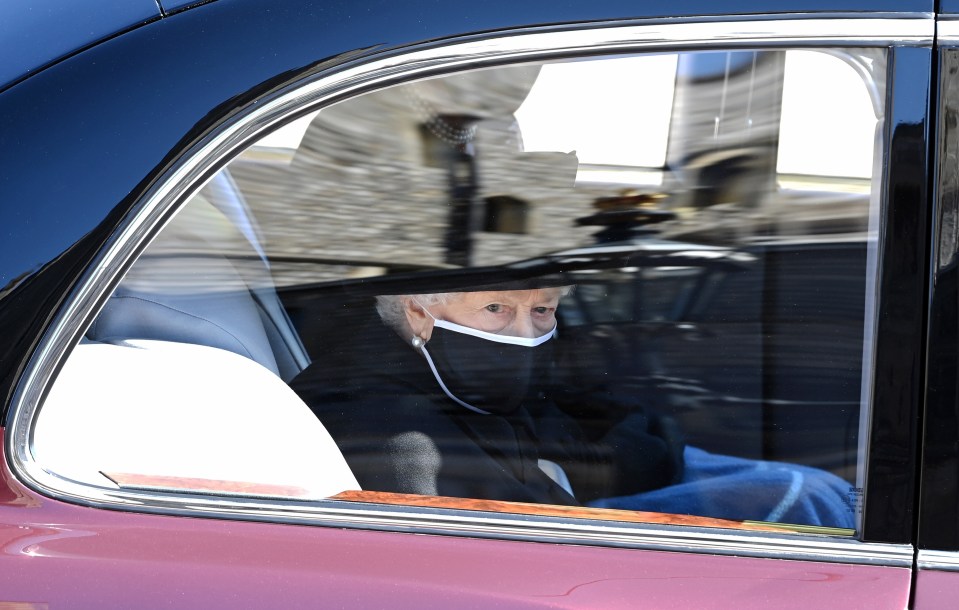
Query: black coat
(400, 433)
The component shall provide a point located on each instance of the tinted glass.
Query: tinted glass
(639, 282)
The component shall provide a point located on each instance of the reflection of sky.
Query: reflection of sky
(611, 112)
(288, 136)
(839, 141)
(616, 113)
(700, 66)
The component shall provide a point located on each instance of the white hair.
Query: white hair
(392, 307)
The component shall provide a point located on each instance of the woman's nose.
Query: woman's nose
(523, 325)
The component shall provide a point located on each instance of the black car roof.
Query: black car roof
(34, 35)
(37, 34)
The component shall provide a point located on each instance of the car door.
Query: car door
(741, 205)
(935, 581)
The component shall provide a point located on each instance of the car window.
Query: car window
(623, 283)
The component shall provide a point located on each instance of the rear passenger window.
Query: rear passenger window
(624, 283)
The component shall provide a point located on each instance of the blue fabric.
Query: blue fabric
(740, 489)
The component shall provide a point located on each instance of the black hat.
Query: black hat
(480, 279)
(523, 275)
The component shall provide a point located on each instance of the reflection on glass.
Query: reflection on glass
(713, 219)
(614, 114)
(813, 83)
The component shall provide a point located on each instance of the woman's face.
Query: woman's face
(516, 313)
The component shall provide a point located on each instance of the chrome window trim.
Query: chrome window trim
(947, 30)
(516, 527)
(158, 205)
(940, 561)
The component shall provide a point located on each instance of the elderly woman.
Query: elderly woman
(443, 395)
(451, 394)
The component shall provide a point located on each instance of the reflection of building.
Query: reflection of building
(762, 354)
(375, 157)
(366, 158)
(727, 120)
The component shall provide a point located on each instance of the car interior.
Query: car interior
(722, 333)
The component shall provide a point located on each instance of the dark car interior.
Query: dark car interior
(749, 334)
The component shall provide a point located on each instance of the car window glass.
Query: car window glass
(630, 282)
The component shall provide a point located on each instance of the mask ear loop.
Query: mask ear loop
(446, 391)
(419, 344)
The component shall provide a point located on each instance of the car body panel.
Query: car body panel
(53, 553)
(937, 579)
(36, 34)
(900, 322)
(936, 589)
(172, 6)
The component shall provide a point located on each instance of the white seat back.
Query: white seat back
(174, 415)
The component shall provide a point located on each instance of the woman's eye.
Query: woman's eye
(494, 308)
(542, 311)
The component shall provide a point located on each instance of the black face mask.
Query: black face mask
(485, 372)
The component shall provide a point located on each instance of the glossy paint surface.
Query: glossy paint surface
(170, 6)
(939, 483)
(935, 590)
(35, 34)
(939, 527)
(56, 555)
(899, 373)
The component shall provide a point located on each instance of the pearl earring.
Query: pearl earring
(417, 342)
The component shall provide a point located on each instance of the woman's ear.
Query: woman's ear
(420, 322)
